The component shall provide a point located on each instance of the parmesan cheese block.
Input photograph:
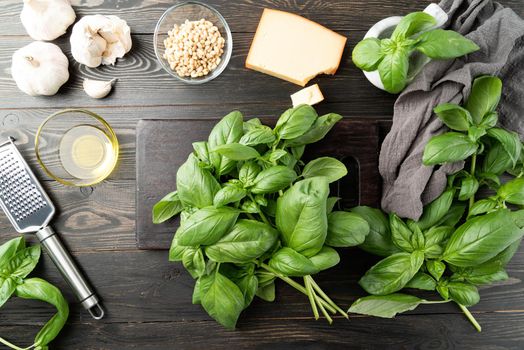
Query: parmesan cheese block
(294, 48)
(310, 96)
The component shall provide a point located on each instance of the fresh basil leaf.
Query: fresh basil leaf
(476, 132)
(328, 167)
(196, 298)
(468, 187)
(199, 263)
(176, 251)
(196, 187)
(257, 136)
(248, 173)
(265, 278)
(422, 281)
(273, 156)
(436, 268)
(301, 215)
(481, 238)
(228, 130)
(317, 132)
(295, 122)
(393, 70)
(273, 179)
(188, 261)
(298, 151)
(367, 54)
(386, 306)
(483, 206)
(246, 241)
(443, 290)
(413, 23)
(497, 160)
(236, 151)
(22, 263)
(484, 97)
(248, 285)
(448, 148)
(325, 259)
(346, 229)
(486, 273)
(512, 191)
(10, 248)
(490, 120)
(454, 215)
(378, 241)
(249, 206)
(267, 292)
(392, 273)
(7, 288)
(463, 293)
(223, 300)
(206, 226)
(489, 179)
(454, 116)
(289, 161)
(401, 234)
(435, 237)
(167, 207)
(331, 203)
(229, 194)
(251, 124)
(509, 140)
(202, 152)
(444, 44)
(288, 262)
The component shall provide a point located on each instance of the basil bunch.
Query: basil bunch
(459, 242)
(16, 262)
(390, 56)
(251, 211)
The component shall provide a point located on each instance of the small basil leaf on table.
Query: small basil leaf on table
(196, 298)
(328, 167)
(326, 258)
(367, 54)
(196, 187)
(188, 260)
(436, 268)
(273, 179)
(176, 251)
(447, 148)
(167, 207)
(258, 135)
(228, 130)
(266, 292)
(463, 293)
(295, 122)
(454, 116)
(248, 173)
(444, 44)
(413, 23)
(468, 187)
(401, 234)
(301, 215)
(392, 273)
(317, 132)
(288, 262)
(236, 151)
(378, 240)
(24, 261)
(206, 226)
(509, 140)
(264, 278)
(512, 191)
(485, 273)
(229, 194)
(484, 97)
(248, 285)
(346, 229)
(7, 288)
(393, 70)
(386, 306)
(422, 281)
(10, 248)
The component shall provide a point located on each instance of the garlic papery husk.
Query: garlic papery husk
(98, 88)
(39, 68)
(47, 19)
(99, 39)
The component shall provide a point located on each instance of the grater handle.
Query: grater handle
(67, 267)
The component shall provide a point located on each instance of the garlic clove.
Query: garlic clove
(47, 19)
(98, 88)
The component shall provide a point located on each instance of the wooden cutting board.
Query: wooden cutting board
(163, 145)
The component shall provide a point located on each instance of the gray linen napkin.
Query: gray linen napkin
(499, 32)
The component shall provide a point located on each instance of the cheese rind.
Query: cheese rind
(310, 96)
(293, 48)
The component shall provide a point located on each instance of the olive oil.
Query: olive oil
(86, 152)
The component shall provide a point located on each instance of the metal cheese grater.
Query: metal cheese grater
(30, 210)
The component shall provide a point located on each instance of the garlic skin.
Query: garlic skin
(47, 19)
(98, 88)
(39, 68)
(99, 39)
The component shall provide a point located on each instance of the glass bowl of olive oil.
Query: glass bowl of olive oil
(76, 147)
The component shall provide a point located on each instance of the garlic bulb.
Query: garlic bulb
(100, 39)
(39, 68)
(98, 88)
(47, 19)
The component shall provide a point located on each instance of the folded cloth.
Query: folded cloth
(499, 32)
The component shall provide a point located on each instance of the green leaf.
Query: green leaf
(248, 240)
(167, 207)
(435, 237)
(393, 70)
(483, 206)
(273, 179)
(275, 155)
(422, 281)
(476, 132)
(331, 203)
(463, 293)
(481, 238)
(509, 140)
(199, 263)
(346, 229)
(318, 130)
(512, 191)
(248, 173)
(206, 226)
(236, 151)
(223, 300)
(485, 273)
(454, 215)
(490, 120)
(196, 187)
(378, 241)
(22, 263)
(386, 306)
(295, 122)
(497, 160)
(301, 215)
(248, 285)
(448, 148)
(188, 260)
(367, 54)
(251, 124)
(7, 288)
(257, 136)
(176, 251)
(454, 116)
(436, 268)
(401, 234)
(413, 23)
(444, 44)
(10, 248)
(484, 97)
(229, 194)
(228, 130)
(202, 151)
(328, 167)
(392, 273)
(288, 262)
(468, 187)
(267, 292)
(325, 259)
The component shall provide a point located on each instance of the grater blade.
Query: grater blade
(22, 198)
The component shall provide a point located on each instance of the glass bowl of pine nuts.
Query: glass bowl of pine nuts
(193, 42)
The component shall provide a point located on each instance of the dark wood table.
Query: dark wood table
(147, 298)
